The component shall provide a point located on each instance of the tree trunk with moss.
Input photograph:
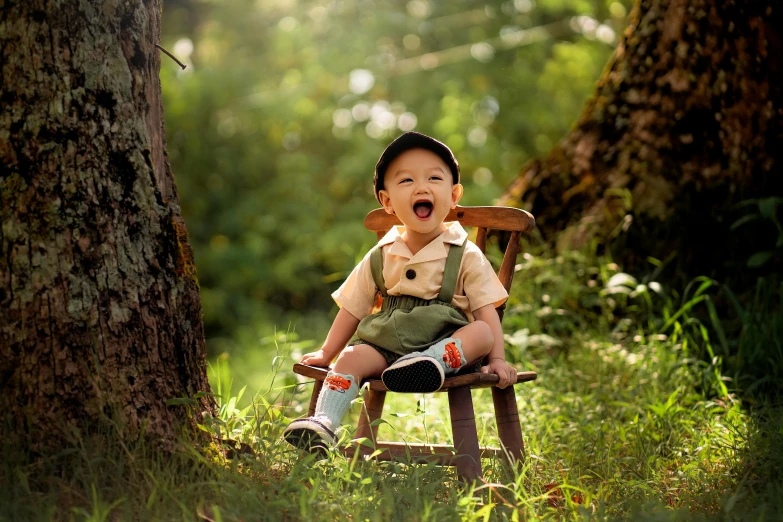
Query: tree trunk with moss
(685, 124)
(99, 305)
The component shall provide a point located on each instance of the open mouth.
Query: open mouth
(423, 209)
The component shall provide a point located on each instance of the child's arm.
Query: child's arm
(340, 333)
(496, 359)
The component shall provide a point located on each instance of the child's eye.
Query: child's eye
(405, 180)
(436, 177)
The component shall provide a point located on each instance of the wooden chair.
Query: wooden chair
(465, 454)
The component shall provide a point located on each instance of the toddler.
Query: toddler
(439, 295)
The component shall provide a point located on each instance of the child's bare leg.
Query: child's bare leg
(360, 361)
(341, 386)
(477, 340)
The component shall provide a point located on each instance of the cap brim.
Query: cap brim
(414, 140)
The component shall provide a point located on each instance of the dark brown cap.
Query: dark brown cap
(413, 140)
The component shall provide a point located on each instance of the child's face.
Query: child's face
(419, 189)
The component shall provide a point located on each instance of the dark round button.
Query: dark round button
(410, 274)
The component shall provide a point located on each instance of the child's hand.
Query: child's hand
(506, 372)
(318, 358)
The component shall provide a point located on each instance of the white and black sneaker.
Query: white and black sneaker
(313, 434)
(414, 373)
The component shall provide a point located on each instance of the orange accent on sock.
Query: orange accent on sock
(337, 383)
(451, 356)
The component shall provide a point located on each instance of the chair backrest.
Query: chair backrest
(508, 219)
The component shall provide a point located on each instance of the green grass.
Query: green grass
(632, 418)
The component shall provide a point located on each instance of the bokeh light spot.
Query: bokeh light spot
(411, 42)
(524, 6)
(341, 133)
(342, 118)
(361, 81)
(419, 8)
(617, 9)
(605, 34)
(287, 24)
(482, 176)
(477, 136)
(360, 112)
(374, 130)
(387, 121)
(482, 52)
(407, 121)
(183, 48)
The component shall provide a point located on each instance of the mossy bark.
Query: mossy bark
(99, 305)
(686, 122)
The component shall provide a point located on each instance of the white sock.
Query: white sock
(449, 353)
(335, 397)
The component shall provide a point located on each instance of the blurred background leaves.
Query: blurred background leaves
(276, 124)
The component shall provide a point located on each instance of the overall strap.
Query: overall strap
(376, 267)
(450, 273)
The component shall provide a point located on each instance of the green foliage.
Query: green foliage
(624, 423)
(763, 211)
(274, 128)
(753, 359)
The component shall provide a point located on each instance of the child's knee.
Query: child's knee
(484, 331)
(350, 362)
(348, 355)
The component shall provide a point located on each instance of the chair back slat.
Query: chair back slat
(481, 239)
(506, 272)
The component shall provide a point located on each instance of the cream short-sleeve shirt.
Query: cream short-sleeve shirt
(477, 283)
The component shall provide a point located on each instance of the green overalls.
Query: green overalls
(406, 323)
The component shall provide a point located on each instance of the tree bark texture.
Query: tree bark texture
(99, 305)
(685, 123)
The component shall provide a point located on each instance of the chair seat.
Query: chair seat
(472, 380)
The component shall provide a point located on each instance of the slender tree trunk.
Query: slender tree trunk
(99, 305)
(685, 123)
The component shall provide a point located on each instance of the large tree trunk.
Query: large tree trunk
(99, 306)
(688, 121)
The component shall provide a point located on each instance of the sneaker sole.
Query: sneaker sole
(310, 436)
(414, 375)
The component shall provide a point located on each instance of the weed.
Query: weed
(633, 417)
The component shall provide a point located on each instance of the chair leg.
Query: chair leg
(373, 407)
(507, 419)
(317, 385)
(463, 429)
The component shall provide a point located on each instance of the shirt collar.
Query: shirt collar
(436, 249)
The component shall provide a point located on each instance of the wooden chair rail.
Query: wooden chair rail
(442, 454)
(473, 380)
(494, 218)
